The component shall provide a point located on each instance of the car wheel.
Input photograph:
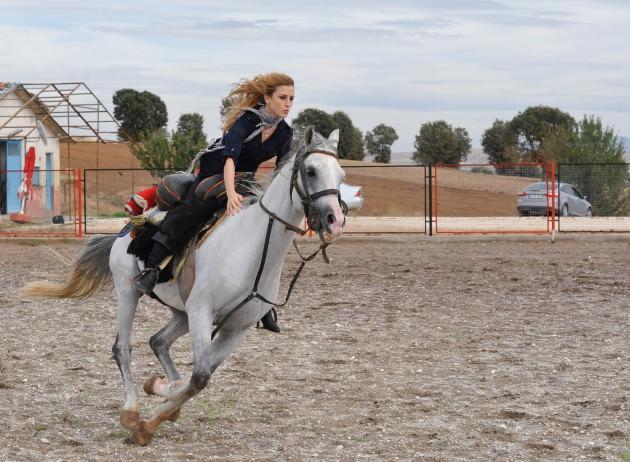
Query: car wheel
(589, 212)
(564, 211)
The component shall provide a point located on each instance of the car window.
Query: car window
(565, 188)
(536, 186)
(577, 193)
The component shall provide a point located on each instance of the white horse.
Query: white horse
(225, 268)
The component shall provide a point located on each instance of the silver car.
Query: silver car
(535, 200)
(352, 196)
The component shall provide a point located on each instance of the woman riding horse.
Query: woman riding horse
(254, 131)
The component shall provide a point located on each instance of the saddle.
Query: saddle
(143, 227)
(186, 221)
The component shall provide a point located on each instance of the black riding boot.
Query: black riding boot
(145, 282)
(269, 321)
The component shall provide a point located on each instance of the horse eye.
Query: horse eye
(311, 173)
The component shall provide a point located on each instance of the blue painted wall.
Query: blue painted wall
(14, 174)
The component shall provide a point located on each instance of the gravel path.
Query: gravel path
(404, 348)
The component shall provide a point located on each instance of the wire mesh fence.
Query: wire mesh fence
(52, 206)
(455, 199)
(380, 198)
(106, 192)
(594, 197)
(485, 198)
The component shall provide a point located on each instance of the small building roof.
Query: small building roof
(68, 109)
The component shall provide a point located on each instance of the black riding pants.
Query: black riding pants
(183, 222)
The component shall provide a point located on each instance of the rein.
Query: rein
(309, 200)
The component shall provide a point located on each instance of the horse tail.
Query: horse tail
(89, 272)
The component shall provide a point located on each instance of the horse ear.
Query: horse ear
(334, 136)
(308, 134)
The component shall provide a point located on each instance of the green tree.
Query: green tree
(154, 150)
(188, 140)
(591, 157)
(530, 128)
(190, 126)
(350, 137)
(161, 153)
(438, 143)
(499, 143)
(379, 142)
(321, 120)
(138, 112)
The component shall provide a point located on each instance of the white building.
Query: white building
(43, 116)
(25, 123)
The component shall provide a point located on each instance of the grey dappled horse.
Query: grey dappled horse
(217, 276)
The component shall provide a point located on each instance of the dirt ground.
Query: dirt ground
(403, 348)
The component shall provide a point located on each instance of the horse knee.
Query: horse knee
(118, 351)
(199, 380)
(155, 344)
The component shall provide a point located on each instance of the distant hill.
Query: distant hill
(476, 156)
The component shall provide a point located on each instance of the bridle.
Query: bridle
(308, 200)
(313, 221)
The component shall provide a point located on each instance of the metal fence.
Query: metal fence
(604, 188)
(456, 199)
(53, 207)
(393, 197)
(484, 199)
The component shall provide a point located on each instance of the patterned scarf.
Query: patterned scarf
(267, 120)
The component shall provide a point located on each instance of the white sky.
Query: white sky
(399, 62)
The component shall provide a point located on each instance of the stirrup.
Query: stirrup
(146, 281)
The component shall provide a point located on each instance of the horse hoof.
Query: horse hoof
(130, 420)
(149, 385)
(142, 436)
(175, 415)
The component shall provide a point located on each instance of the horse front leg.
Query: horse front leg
(207, 356)
(161, 344)
(127, 303)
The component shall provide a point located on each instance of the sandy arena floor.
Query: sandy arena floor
(404, 348)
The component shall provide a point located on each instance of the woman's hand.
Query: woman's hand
(233, 198)
(234, 203)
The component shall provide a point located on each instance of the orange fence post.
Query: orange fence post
(79, 202)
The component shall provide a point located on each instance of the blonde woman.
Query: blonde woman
(254, 131)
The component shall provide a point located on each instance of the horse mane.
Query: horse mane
(298, 148)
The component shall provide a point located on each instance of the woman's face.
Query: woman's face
(280, 101)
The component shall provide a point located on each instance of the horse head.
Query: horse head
(316, 178)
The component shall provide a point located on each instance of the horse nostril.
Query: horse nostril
(331, 218)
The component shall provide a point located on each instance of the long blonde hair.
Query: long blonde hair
(251, 92)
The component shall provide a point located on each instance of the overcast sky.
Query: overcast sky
(399, 62)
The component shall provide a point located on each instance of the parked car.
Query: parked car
(534, 200)
(351, 195)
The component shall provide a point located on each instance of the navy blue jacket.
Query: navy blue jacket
(247, 156)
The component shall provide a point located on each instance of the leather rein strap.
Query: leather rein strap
(288, 226)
